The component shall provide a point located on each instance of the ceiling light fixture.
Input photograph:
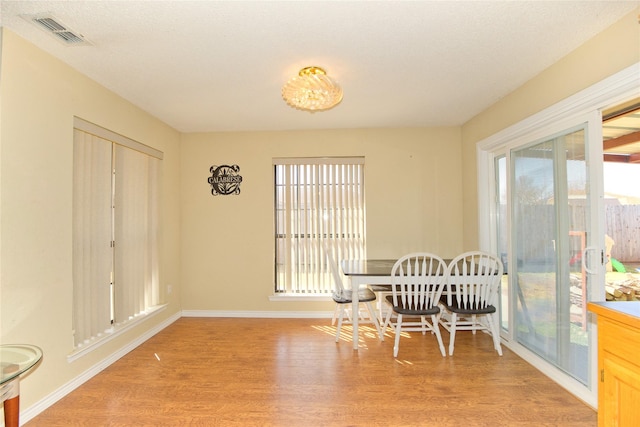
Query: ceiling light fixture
(312, 90)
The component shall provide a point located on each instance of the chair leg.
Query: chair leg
(436, 330)
(474, 321)
(348, 313)
(335, 314)
(374, 319)
(495, 333)
(396, 344)
(340, 317)
(379, 304)
(452, 332)
(387, 321)
(439, 316)
(423, 322)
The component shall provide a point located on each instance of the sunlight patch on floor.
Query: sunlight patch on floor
(365, 332)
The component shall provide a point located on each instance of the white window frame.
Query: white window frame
(318, 202)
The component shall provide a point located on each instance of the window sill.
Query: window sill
(113, 333)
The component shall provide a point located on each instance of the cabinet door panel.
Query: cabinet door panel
(621, 393)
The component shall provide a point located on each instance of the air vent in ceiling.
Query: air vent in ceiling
(57, 29)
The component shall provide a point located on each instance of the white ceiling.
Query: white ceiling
(203, 66)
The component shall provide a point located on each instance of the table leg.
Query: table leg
(12, 412)
(10, 393)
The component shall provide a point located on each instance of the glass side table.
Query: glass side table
(15, 360)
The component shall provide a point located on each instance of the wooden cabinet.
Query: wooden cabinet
(618, 363)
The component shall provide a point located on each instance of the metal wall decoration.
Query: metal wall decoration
(225, 180)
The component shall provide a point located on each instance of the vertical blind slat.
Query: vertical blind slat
(310, 267)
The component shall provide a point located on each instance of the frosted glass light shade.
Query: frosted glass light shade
(312, 90)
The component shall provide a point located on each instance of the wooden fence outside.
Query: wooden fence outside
(622, 224)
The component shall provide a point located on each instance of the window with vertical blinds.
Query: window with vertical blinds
(115, 228)
(318, 202)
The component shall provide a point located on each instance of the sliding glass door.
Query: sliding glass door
(550, 219)
(551, 210)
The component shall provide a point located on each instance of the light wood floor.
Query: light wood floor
(290, 372)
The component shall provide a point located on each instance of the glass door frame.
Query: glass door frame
(584, 107)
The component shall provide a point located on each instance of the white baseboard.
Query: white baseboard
(67, 388)
(259, 314)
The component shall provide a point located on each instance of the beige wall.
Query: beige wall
(609, 52)
(413, 200)
(39, 96)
